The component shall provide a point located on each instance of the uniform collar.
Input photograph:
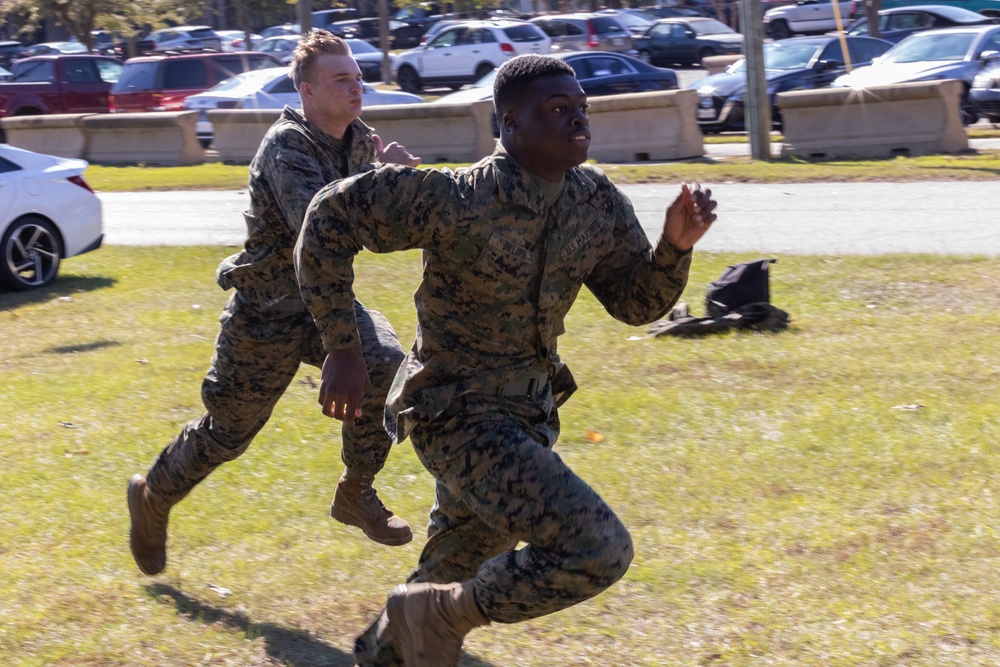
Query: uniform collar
(360, 131)
(516, 186)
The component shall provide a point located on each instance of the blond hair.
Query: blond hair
(310, 47)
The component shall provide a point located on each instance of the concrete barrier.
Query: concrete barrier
(438, 132)
(57, 134)
(237, 133)
(881, 121)
(716, 64)
(165, 138)
(637, 127)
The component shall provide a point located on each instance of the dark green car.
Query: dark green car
(687, 41)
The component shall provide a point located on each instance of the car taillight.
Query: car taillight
(592, 40)
(78, 180)
(111, 104)
(507, 48)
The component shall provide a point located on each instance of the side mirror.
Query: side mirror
(990, 56)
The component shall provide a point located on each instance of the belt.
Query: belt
(526, 385)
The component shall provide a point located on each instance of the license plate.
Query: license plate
(617, 41)
(706, 114)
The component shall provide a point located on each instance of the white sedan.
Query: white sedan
(269, 88)
(48, 212)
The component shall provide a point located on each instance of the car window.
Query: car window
(779, 55)
(283, 85)
(606, 24)
(678, 31)
(523, 33)
(108, 71)
(202, 33)
(608, 66)
(188, 73)
(833, 51)
(909, 21)
(710, 27)
(991, 44)
(78, 70)
(476, 36)
(6, 166)
(923, 46)
(447, 38)
(137, 76)
(41, 70)
(660, 30)
(865, 50)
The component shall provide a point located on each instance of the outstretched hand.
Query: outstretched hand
(344, 384)
(689, 216)
(394, 153)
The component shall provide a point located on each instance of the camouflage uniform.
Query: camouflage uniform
(475, 393)
(266, 331)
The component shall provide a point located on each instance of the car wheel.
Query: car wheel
(483, 70)
(970, 114)
(646, 57)
(706, 52)
(31, 252)
(779, 30)
(408, 80)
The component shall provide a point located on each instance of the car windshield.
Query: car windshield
(779, 56)
(921, 47)
(710, 27)
(361, 46)
(254, 79)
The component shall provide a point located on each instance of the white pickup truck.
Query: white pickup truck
(805, 17)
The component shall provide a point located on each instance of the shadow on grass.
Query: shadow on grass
(295, 648)
(60, 288)
(83, 347)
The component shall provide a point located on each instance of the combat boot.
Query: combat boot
(357, 504)
(430, 621)
(148, 534)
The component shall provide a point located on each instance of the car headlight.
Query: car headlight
(706, 91)
(987, 80)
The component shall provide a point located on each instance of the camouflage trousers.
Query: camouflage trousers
(499, 483)
(257, 354)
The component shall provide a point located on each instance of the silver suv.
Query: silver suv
(585, 32)
(466, 52)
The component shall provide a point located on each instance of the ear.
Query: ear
(510, 123)
(305, 89)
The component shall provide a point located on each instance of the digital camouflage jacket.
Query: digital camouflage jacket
(295, 160)
(501, 270)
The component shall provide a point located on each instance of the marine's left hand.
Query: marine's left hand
(689, 216)
(394, 153)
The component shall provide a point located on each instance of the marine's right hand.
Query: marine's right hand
(344, 384)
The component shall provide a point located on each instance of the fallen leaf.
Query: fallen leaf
(82, 452)
(224, 592)
(309, 381)
(142, 361)
(595, 436)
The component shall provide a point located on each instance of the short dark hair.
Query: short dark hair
(515, 75)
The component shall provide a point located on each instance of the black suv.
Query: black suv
(162, 83)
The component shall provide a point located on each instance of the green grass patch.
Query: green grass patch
(984, 166)
(826, 496)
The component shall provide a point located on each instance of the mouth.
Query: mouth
(580, 138)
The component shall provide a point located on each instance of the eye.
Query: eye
(559, 108)
(584, 108)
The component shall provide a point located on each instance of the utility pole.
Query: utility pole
(383, 39)
(756, 105)
(305, 16)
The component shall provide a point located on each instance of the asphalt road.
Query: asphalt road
(832, 218)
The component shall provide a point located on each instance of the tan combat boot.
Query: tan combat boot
(148, 535)
(430, 621)
(357, 504)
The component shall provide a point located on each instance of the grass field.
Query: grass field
(823, 497)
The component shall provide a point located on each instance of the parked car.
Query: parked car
(948, 53)
(369, 58)
(185, 37)
(687, 41)
(636, 20)
(464, 53)
(4, 75)
(270, 88)
(896, 24)
(985, 93)
(162, 82)
(599, 73)
(583, 32)
(807, 17)
(9, 50)
(798, 63)
(325, 17)
(60, 83)
(666, 12)
(48, 212)
(401, 35)
(284, 29)
(236, 40)
(51, 48)
(984, 7)
(279, 46)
